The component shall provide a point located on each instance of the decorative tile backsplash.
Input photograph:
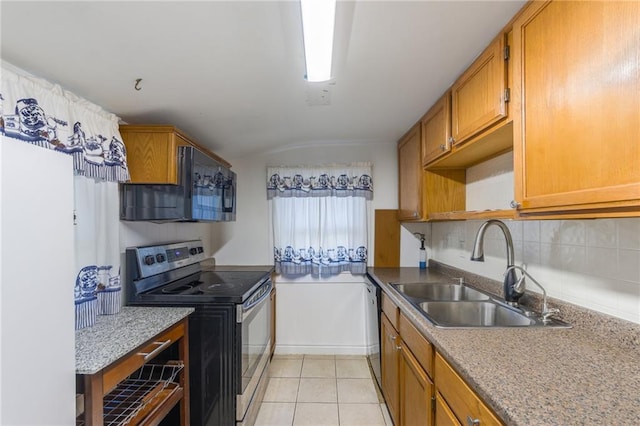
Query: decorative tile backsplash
(591, 263)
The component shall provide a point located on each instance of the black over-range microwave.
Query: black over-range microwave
(206, 192)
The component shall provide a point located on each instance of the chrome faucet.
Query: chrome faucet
(511, 293)
(546, 313)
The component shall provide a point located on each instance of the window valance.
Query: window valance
(338, 181)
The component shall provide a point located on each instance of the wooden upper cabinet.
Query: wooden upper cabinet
(423, 192)
(577, 79)
(478, 95)
(152, 152)
(410, 176)
(436, 130)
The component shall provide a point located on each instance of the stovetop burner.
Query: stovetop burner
(233, 286)
(177, 290)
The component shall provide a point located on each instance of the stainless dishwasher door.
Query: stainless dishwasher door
(373, 309)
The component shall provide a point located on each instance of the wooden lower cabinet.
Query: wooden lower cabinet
(444, 415)
(390, 365)
(418, 384)
(416, 391)
(461, 400)
(406, 385)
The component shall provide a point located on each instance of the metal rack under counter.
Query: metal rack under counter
(132, 368)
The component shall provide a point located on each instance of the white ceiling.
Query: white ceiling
(230, 74)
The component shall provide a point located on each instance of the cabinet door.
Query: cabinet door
(463, 401)
(152, 156)
(577, 78)
(416, 391)
(444, 416)
(390, 364)
(478, 96)
(436, 130)
(410, 176)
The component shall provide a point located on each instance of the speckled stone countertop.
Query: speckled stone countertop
(589, 374)
(114, 336)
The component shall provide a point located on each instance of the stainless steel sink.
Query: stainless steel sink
(449, 305)
(439, 292)
(474, 314)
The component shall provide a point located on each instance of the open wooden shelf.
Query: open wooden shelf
(144, 398)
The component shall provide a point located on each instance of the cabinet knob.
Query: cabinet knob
(452, 140)
(443, 147)
(472, 422)
(514, 204)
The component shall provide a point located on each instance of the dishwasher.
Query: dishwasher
(373, 309)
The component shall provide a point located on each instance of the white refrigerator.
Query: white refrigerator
(37, 349)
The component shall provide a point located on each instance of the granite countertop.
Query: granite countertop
(114, 336)
(588, 374)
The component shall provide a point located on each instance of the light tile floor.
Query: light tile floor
(321, 390)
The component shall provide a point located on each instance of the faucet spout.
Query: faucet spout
(511, 292)
(546, 313)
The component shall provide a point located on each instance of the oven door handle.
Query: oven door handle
(245, 311)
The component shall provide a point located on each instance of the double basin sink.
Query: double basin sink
(449, 305)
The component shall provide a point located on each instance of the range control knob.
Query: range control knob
(200, 249)
(149, 260)
(193, 251)
(160, 258)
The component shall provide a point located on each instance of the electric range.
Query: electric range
(229, 332)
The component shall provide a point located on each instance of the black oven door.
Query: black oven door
(255, 318)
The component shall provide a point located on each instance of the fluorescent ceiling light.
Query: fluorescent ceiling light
(318, 22)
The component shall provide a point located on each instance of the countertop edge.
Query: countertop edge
(114, 336)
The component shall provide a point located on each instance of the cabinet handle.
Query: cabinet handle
(472, 422)
(160, 348)
(514, 204)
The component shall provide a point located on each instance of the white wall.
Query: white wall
(247, 241)
(134, 234)
(318, 316)
(313, 315)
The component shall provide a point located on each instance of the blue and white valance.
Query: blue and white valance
(38, 112)
(337, 181)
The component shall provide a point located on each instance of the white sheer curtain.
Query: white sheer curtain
(35, 111)
(320, 218)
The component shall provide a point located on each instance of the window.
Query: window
(320, 218)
